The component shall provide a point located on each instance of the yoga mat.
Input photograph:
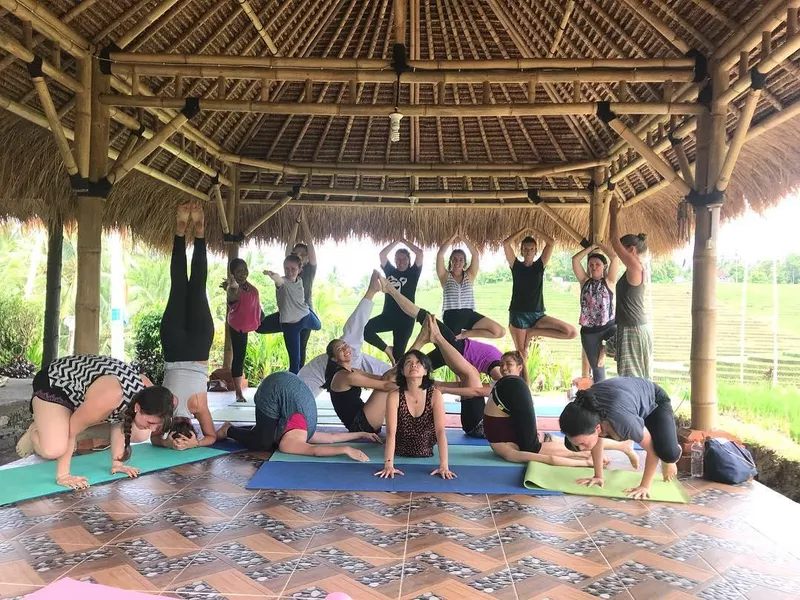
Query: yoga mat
(71, 589)
(616, 481)
(455, 437)
(474, 456)
(34, 481)
(360, 477)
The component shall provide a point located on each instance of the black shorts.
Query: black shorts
(361, 424)
(459, 319)
(46, 392)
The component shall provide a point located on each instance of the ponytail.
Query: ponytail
(154, 401)
(581, 416)
(516, 356)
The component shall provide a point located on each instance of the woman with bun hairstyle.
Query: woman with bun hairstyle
(597, 304)
(633, 344)
(622, 409)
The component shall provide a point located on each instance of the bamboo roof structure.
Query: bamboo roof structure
(505, 108)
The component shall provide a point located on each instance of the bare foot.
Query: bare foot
(222, 432)
(463, 335)
(25, 443)
(374, 283)
(184, 211)
(390, 353)
(631, 454)
(241, 399)
(669, 471)
(385, 285)
(198, 219)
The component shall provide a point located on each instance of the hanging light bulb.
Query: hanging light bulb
(394, 127)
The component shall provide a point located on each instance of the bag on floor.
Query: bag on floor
(725, 461)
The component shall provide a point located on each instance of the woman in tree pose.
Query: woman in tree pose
(294, 314)
(286, 417)
(597, 304)
(187, 332)
(458, 298)
(313, 374)
(404, 276)
(633, 344)
(625, 409)
(526, 316)
(76, 392)
(308, 270)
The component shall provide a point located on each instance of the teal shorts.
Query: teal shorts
(524, 320)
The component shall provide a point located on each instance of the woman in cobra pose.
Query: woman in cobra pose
(633, 344)
(458, 298)
(597, 304)
(286, 417)
(187, 332)
(76, 392)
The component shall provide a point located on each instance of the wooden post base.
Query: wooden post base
(687, 437)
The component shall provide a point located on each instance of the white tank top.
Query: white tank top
(458, 295)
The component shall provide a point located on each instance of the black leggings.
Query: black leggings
(661, 425)
(269, 324)
(592, 339)
(187, 329)
(401, 327)
(260, 438)
(515, 395)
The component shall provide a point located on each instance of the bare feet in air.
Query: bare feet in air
(198, 220)
(386, 287)
(184, 210)
(25, 443)
(222, 432)
(631, 454)
(374, 286)
(390, 353)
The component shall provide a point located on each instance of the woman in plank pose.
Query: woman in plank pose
(633, 344)
(625, 409)
(526, 316)
(286, 417)
(404, 276)
(76, 392)
(458, 298)
(187, 332)
(597, 304)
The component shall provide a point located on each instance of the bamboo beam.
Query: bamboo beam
(16, 49)
(268, 215)
(260, 29)
(148, 19)
(83, 115)
(568, 229)
(738, 139)
(223, 217)
(49, 107)
(127, 149)
(52, 302)
(683, 162)
(562, 26)
(596, 212)
(48, 24)
(717, 13)
(233, 198)
(394, 204)
(473, 76)
(646, 16)
(419, 110)
(400, 21)
(412, 169)
(658, 163)
(643, 195)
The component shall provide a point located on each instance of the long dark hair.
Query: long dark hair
(236, 262)
(638, 241)
(581, 416)
(516, 356)
(182, 426)
(331, 367)
(453, 253)
(400, 379)
(155, 401)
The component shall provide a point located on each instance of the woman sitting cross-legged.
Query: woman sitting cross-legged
(625, 409)
(74, 393)
(286, 416)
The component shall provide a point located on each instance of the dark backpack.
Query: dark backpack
(725, 461)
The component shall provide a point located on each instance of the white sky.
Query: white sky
(753, 237)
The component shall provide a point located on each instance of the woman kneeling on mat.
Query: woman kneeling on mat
(415, 417)
(625, 408)
(76, 392)
(187, 332)
(286, 415)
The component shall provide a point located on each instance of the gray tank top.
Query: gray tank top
(630, 303)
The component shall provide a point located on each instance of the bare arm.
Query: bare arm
(549, 246)
(392, 404)
(439, 418)
(631, 262)
(384, 255)
(293, 235)
(308, 239)
(343, 380)
(577, 264)
(275, 277)
(613, 267)
(199, 407)
(650, 461)
(419, 253)
(509, 247)
(458, 388)
(233, 294)
(441, 268)
(475, 260)
(597, 458)
(507, 452)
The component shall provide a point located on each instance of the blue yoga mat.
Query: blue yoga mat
(360, 477)
(455, 437)
(472, 456)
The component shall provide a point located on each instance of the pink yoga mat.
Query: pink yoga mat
(69, 589)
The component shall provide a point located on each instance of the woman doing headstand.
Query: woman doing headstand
(597, 305)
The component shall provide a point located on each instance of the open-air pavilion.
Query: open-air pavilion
(418, 116)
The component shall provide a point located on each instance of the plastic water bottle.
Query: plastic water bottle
(697, 459)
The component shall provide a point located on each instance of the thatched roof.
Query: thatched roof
(33, 181)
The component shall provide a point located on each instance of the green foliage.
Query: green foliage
(265, 354)
(545, 372)
(788, 270)
(775, 408)
(147, 343)
(20, 328)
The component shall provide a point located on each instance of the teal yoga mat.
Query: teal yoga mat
(34, 481)
(475, 456)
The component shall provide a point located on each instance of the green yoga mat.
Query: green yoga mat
(474, 456)
(34, 481)
(563, 479)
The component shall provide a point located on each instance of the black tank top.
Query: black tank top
(630, 303)
(347, 404)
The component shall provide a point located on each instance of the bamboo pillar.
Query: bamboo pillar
(703, 360)
(596, 212)
(233, 250)
(52, 301)
(90, 223)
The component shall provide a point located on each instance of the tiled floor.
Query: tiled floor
(195, 532)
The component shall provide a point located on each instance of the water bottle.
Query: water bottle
(697, 459)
